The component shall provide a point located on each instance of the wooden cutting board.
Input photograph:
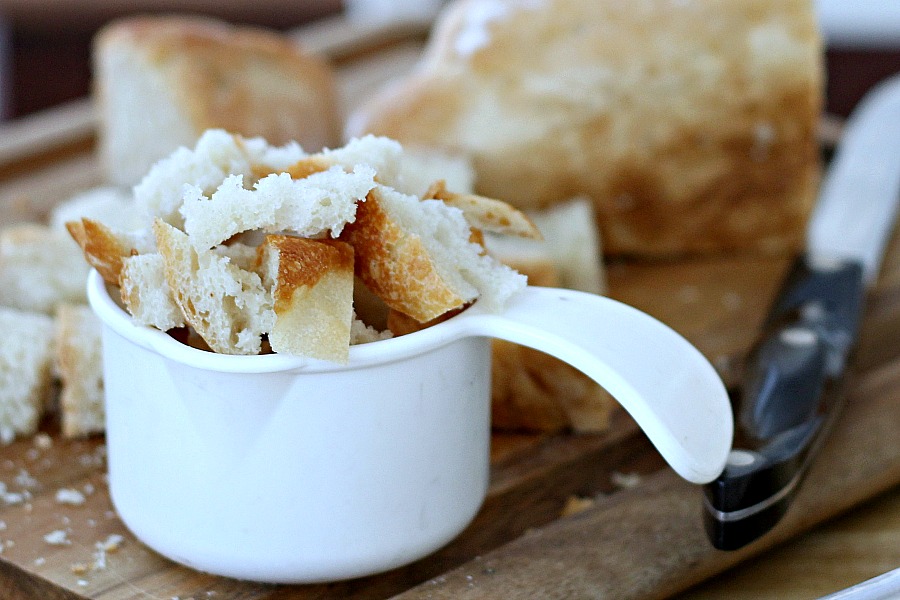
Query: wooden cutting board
(640, 535)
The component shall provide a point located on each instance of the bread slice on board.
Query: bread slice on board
(26, 370)
(40, 267)
(160, 81)
(691, 125)
(79, 365)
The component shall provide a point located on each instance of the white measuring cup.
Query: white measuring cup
(281, 468)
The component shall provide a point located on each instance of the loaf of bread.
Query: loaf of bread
(160, 82)
(690, 125)
(26, 371)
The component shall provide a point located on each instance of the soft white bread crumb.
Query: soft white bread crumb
(407, 170)
(145, 292)
(162, 81)
(312, 287)
(216, 155)
(40, 267)
(26, 371)
(80, 369)
(320, 203)
(360, 333)
(226, 305)
(421, 167)
(382, 154)
(244, 256)
(531, 257)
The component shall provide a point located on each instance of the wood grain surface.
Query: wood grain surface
(640, 535)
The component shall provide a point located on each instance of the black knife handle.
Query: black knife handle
(824, 293)
(788, 399)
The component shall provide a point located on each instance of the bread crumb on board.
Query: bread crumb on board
(69, 496)
(58, 537)
(575, 505)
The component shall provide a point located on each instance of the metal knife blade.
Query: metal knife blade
(791, 392)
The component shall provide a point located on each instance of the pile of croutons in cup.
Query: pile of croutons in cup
(248, 248)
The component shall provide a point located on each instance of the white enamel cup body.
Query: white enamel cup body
(283, 469)
(293, 476)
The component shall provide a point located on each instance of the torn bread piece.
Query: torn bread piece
(312, 287)
(416, 256)
(78, 362)
(40, 267)
(362, 333)
(26, 371)
(319, 203)
(105, 249)
(200, 73)
(570, 254)
(410, 170)
(217, 155)
(486, 214)
(226, 305)
(146, 294)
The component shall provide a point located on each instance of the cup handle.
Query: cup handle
(669, 388)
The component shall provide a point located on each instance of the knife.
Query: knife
(791, 390)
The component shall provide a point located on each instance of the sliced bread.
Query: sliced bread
(40, 267)
(161, 81)
(79, 365)
(26, 371)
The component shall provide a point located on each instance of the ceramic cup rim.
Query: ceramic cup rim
(112, 314)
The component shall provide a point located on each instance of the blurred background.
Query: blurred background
(45, 44)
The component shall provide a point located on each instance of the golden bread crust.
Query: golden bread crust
(102, 248)
(486, 214)
(313, 295)
(691, 125)
(395, 265)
